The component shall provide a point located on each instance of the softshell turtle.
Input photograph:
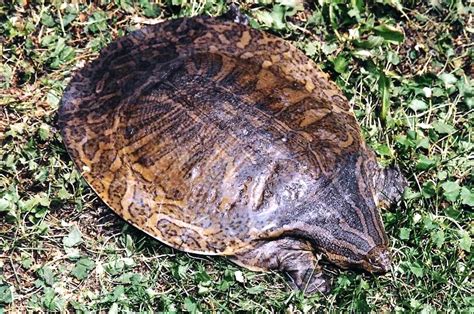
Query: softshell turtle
(219, 139)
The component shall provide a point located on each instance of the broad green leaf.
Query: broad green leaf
(448, 79)
(467, 197)
(451, 190)
(438, 238)
(26, 262)
(465, 242)
(52, 100)
(126, 5)
(442, 175)
(97, 22)
(405, 233)
(393, 57)
(5, 205)
(6, 295)
(278, 16)
(44, 131)
(443, 128)
(423, 142)
(428, 223)
(415, 304)
(190, 305)
(329, 48)
(311, 49)
(68, 18)
(417, 270)
(115, 267)
(47, 20)
(389, 33)
(82, 268)
(362, 54)
(264, 17)
(371, 42)
(383, 150)
(114, 308)
(34, 202)
(358, 5)
(424, 163)
(63, 194)
(409, 194)
(130, 278)
(47, 276)
(52, 302)
(340, 64)
(255, 290)
(418, 105)
(73, 238)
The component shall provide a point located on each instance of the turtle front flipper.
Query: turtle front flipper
(294, 257)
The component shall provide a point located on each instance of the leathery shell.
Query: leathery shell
(203, 133)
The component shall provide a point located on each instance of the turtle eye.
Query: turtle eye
(372, 260)
(379, 260)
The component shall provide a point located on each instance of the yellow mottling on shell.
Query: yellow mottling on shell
(114, 127)
(309, 86)
(127, 198)
(244, 40)
(330, 92)
(266, 64)
(247, 55)
(146, 173)
(275, 58)
(348, 142)
(105, 183)
(287, 70)
(116, 164)
(162, 201)
(311, 116)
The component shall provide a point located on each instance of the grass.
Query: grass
(407, 68)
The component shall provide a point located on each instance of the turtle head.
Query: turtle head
(345, 221)
(351, 253)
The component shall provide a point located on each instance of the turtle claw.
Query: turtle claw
(310, 281)
(319, 283)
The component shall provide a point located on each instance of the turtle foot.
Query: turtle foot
(234, 14)
(293, 257)
(310, 281)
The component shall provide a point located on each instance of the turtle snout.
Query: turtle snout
(379, 260)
